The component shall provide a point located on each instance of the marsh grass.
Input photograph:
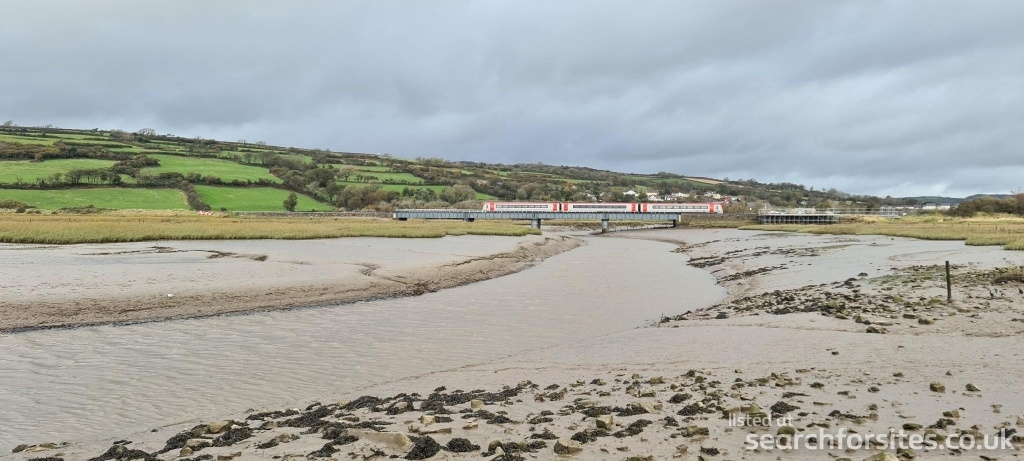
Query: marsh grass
(1007, 232)
(126, 227)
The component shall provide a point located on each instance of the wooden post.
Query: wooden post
(949, 285)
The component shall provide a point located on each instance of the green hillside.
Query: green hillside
(47, 167)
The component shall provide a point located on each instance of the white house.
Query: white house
(935, 206)
(630, 193)
(653, 197)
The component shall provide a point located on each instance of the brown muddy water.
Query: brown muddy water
(86, 383)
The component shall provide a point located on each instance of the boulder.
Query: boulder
(438, 429)
(604, 422)
(217, 427)
(198, 444)
(884, 456)
(393, 440)
(650, 407)
(476, 403)
(937, 387)
(427, 420)
(973, 388)
(567, 447)
(924, 321)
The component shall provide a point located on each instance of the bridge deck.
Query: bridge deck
(810, 218)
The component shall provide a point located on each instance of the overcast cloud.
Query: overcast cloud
(880, 97)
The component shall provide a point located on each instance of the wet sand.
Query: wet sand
(136, 282)
(846, 332)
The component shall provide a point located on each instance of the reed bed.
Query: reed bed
(103, 228)
(1007, 232)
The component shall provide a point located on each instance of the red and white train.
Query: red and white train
(583, 207)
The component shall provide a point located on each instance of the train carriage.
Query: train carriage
(600, 207)
(597, 207)
(521, 206)
(681, 207)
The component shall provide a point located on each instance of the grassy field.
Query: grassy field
(26, 171)
(104, 197)
(254, 199)
(223, 169)
(1007, 232)
(27, 139)
(67, 229)
(382, 176)
(365, 168)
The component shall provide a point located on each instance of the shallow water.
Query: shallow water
(68, 385)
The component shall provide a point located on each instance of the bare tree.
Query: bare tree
(145, 134)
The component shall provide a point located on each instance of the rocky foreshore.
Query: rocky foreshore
(706, 414)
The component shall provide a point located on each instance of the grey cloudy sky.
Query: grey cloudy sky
(880, 97)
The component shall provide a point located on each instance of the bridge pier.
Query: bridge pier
(535, 223)
(403, 219)
(604, 226)
(469, 219)
(675, 222)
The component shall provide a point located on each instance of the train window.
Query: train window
(524, 206)
(601, 206)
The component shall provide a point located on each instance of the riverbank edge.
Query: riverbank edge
(379, 284)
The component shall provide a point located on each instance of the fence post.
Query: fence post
(949, 285)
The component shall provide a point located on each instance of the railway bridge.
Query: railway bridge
(535, 217)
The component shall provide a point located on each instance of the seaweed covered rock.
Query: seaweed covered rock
(424, 447)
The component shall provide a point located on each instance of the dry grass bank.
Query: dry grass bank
(1006, 231)
(127, 227)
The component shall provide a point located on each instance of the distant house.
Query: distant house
(630, 193)
(936, 206)
(680, 195)
(653, 197)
